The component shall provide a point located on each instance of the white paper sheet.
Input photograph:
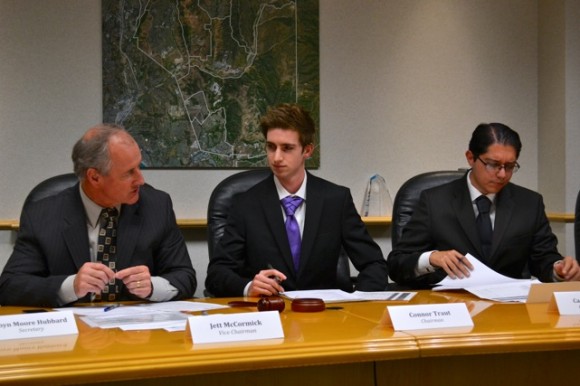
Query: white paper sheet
(146, 307)
(148, 316)
(504, 292)
(136, 320)
(485, 283)
(337, 296)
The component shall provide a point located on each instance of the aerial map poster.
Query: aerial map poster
(190, 79)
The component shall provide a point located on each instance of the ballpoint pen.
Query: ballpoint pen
(274, 276)
(111, 307)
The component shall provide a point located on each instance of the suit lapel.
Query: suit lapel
(130, 223)
(75, 232)
(504, 205)
(314, 208)
(463, 208)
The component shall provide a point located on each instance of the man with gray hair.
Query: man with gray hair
(110, 237)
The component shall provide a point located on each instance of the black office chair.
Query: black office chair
(50, 187)
(221, 200)
(407, 197)
(218, 209)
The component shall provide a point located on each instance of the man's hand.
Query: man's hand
(453, 262)
(267, 282)
(567, 269)
(137, 280)
(92, 277)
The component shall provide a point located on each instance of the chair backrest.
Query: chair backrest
(218, 209)
(50, 187)
(221, 200)
(407, 197)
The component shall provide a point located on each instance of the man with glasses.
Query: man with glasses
(500, 223)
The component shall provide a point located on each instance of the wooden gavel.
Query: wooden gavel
(276, 303)
(267, 303)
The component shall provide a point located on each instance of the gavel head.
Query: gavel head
(271, 303)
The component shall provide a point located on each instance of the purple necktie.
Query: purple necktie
(291, 203)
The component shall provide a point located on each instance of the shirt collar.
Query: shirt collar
(92, 210)
(474, 193)
(284, 193)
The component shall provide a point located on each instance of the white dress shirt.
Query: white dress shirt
(162, 288)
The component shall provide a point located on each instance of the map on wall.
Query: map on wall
(190, 79)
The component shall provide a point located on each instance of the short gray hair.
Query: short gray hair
(92, 150)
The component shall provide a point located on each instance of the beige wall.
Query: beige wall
(559, 109)
(403, 84)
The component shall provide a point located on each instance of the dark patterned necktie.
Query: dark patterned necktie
(483, 223)
(107, 250)
(291, 203)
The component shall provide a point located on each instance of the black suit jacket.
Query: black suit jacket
(255, 237)
(445, 220)
(53, 243)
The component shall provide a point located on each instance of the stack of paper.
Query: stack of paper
(485, 283)
(167, 315)
(336, 296)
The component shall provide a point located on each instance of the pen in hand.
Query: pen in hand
(278, 280)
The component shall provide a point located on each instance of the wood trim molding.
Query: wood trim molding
(199, 223)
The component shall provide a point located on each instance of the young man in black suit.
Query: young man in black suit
(56, 260)
(444, 226)
(255, 257)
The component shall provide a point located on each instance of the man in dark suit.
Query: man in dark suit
(445, 226)
(255, 256)
(56, 260)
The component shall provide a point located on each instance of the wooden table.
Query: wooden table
(333, 345)
(510, 344)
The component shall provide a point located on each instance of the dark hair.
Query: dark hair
(487, 134)
(92, 150)
(289, 116)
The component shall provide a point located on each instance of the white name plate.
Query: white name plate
(37, 325)
(426, 316)
(568, 302)
(220, 328)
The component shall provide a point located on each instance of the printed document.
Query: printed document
(166, 315)
(336, 295)
(485, 283)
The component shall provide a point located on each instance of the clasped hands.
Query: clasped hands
(93, 277)
(458, 267)
(267, 283)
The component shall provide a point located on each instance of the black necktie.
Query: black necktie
(483, 223)
(107, 250)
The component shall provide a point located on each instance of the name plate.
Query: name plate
(219, 328)
(568, 302)
(37, 325)
(427, 316)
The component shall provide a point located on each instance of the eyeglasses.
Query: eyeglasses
(495, 167)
